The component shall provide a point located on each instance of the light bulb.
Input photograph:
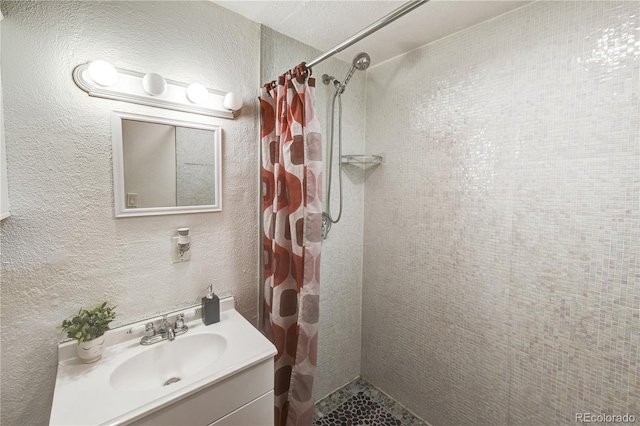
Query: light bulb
(154, 84)
(232, 101)
(103, 73)
(197, 93)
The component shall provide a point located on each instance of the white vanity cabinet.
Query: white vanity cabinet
(241, 400)
(254, 413)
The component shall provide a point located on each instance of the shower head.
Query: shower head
(361, 62)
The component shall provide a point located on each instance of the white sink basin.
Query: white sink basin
(167, 363)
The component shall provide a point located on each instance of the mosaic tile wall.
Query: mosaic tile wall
(501, 238)
(341, 266)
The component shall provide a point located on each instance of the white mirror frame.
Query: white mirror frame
(118, 167)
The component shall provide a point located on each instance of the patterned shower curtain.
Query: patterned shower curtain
(292, 217)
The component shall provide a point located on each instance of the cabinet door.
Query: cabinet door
(258, 412)
(216, 401)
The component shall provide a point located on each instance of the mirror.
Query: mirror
(164, 166)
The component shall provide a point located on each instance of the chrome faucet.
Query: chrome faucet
(166, 332)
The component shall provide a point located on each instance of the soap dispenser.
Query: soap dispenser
(210, 308)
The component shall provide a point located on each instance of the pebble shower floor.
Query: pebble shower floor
(359, 403)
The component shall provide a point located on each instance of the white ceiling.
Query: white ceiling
(324, 24)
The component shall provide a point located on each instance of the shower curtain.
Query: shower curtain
(292, 217)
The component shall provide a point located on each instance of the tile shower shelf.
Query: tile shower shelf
(364, 161)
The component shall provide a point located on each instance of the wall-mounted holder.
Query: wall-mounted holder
(363, 161)
(101, 79)
(181, 246)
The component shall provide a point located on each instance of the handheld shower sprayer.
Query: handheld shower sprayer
(361, 62)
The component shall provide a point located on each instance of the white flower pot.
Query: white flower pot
(91, 351)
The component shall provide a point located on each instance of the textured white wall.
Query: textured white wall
(4, 188)
(341, 266)
(502, 236)
(62, 248)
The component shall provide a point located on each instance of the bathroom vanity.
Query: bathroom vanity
(221, 374)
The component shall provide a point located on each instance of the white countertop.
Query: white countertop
(83, 394)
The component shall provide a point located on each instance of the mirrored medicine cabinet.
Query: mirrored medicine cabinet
(164, 166)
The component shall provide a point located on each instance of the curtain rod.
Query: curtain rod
(380, 23)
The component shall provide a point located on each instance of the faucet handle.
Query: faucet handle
(179, 321)
(150, 330)
(164, 323)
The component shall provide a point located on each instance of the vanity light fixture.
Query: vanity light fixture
(103, 73)
(103, 80)
(197, 93)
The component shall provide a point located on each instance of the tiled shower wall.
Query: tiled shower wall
(501, 238)
(341, 266)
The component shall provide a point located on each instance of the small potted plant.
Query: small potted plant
(88, 328)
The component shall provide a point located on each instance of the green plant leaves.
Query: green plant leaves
(89, 323)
